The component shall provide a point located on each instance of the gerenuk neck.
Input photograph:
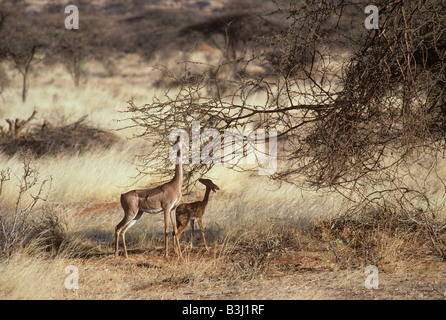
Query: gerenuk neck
(206, 195)
(178, 178)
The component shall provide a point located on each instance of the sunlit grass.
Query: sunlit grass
(247, 208)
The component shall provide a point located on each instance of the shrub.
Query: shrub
(17, 215)
(46, 139)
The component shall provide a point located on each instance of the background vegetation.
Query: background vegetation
(360, 118)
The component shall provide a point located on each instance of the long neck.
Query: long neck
(179, 169)
(206, 196)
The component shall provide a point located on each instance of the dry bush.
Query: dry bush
(15, 127)
(19, 216)
(27, 223)
(51, 234)
(47, 139)
(376, 237)
(253, 254)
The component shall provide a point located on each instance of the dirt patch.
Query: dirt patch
(206, 275)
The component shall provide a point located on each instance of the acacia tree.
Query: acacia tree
(357, 110)
(229, 32)
(22, 44)
(72, 49)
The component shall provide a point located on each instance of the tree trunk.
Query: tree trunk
(24, 85)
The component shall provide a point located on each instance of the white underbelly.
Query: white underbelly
(151, 210)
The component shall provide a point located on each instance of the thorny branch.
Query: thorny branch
(356, 110)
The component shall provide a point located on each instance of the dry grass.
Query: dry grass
(266, 242)
(255, 254)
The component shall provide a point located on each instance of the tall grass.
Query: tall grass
(31, 277)
(248, 222)
(99, 175)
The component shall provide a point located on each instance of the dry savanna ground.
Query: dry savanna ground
(266, 241)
